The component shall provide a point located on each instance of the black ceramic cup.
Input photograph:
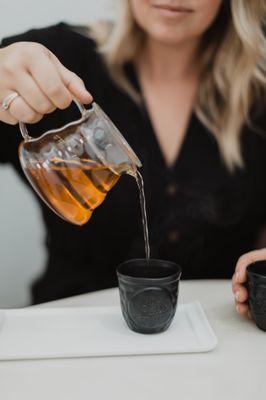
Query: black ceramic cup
(148, 293)
(256, 273)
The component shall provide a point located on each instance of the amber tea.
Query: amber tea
(72, 188)
(75, 188)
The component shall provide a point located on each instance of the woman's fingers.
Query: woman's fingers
(245, 260)
(240, 292)
(6, 117)
(21, 111)
(73, 82)
(240, 277)
(32, 94)
(242, 309)
(49, 80)
(42, 82)
(32, 103)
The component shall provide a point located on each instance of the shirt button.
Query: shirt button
(171, 189)
(173, 236)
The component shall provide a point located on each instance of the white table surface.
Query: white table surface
(236, 369)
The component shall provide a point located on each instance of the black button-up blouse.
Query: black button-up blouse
(200, 215)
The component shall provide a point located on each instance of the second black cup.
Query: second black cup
(148, 293)
(256, 273)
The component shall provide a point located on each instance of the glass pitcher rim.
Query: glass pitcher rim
(58, 130)
(85, 114)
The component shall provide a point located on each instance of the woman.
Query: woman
(184, 82)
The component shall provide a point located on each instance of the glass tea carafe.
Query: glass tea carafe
(73, 168)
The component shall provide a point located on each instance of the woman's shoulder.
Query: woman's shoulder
(53, 35)
(68, 42)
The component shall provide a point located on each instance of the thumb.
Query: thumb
(245, 260)
(73, 82)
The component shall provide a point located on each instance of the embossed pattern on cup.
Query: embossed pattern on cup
(148, 294)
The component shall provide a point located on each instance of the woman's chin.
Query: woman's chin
(167, 37)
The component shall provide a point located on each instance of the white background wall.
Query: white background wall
(21, 231)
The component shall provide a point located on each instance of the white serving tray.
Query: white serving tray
(36, 333)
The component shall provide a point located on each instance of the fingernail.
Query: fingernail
(237, 276)
(238, 309)
(237, 295)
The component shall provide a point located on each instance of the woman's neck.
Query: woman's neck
(169, 62)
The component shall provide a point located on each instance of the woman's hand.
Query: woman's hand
(42, 82)
(240, 277)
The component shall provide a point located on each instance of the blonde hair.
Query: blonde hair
(233, 75)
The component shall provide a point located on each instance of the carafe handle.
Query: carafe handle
(24, 130)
